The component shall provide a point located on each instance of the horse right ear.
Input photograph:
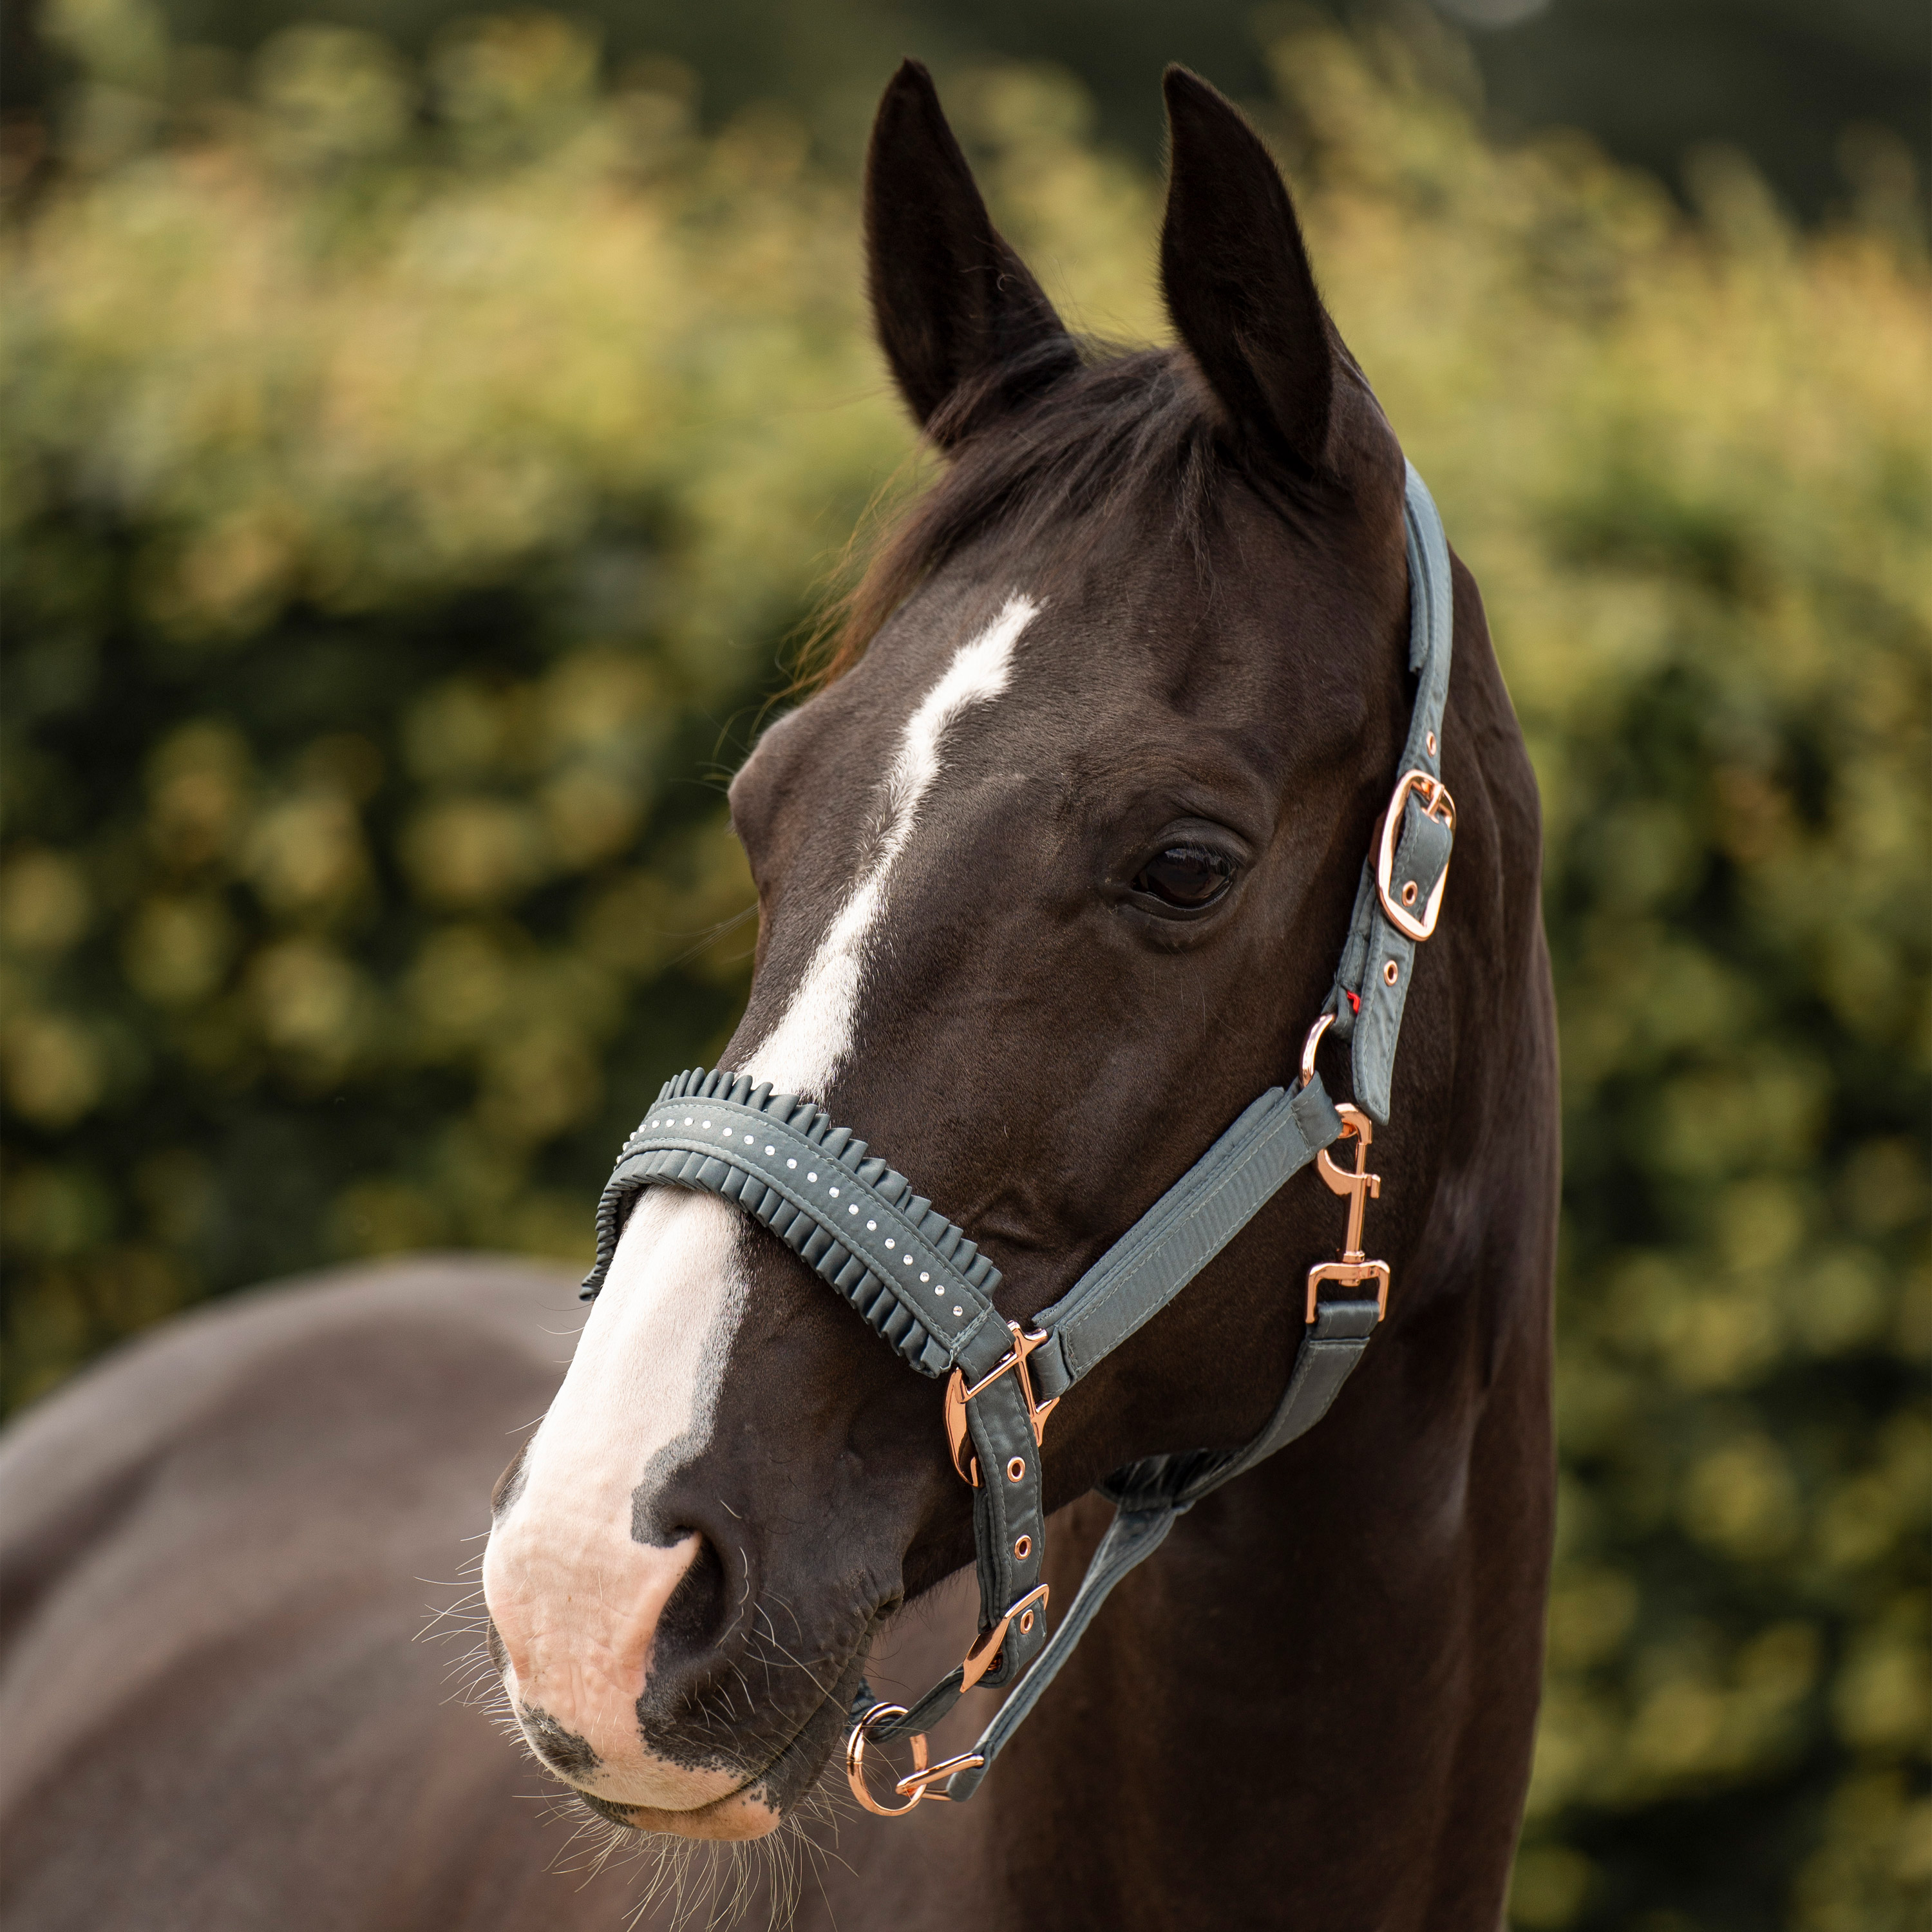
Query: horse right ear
(968, 331)
(1237, 278)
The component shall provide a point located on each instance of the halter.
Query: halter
(924, 1287)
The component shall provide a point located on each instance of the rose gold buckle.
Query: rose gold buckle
(958, 1432)
(985, 1652)
(1438, 804)
(914, 1785)
(1354, 1268)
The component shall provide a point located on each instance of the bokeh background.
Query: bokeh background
(422, 453)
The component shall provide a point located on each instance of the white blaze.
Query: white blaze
(647, 1368)
(803, 1051)
(575, 1598)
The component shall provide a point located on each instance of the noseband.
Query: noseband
(923, 1286)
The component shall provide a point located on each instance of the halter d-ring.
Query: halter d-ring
(855, 1761)
(917, 1784)
(1308, 1046)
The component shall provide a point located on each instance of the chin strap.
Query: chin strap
(922, 1286)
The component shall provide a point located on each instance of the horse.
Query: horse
(1053, 867)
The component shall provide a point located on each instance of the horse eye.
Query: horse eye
(1187, 877)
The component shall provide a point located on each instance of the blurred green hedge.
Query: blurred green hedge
(413, 479)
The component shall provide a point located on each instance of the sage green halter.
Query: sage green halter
(924, 1287)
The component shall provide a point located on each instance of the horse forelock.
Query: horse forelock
(1132, 427)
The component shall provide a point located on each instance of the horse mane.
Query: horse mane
(1131, 428)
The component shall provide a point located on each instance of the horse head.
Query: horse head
(1052, 876)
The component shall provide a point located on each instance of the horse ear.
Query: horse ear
(1237, 278)
(968, 330)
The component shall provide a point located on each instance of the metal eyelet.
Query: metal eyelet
(1016, 1470)
(1391, 973)
(1022, 1550)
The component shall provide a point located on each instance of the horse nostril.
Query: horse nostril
(509, 1484)
(693, 1618)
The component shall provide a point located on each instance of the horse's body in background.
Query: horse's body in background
(218, 1549)
(1053, 879)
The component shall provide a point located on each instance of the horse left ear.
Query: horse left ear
(1237, 278)
(967, 329)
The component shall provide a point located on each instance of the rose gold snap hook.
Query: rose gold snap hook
(919, 1783)
(1354, 1268)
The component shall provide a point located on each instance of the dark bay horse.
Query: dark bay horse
(1053, 874)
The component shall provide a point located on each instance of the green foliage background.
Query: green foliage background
(413, 475)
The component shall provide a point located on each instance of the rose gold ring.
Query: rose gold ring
(855, 1763)
(1309, 1046)
(917, 1783)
